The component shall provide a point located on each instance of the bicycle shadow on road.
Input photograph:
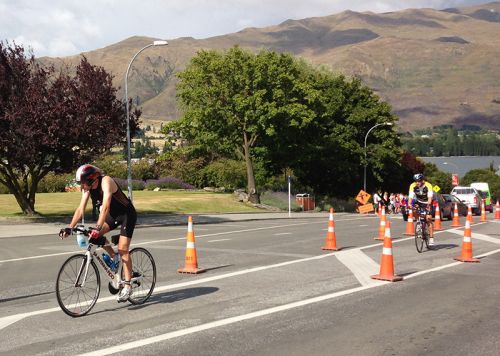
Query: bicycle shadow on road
(176, 296)
(443, 247)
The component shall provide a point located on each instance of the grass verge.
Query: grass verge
(146, 202)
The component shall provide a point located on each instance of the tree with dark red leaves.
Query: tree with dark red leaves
(51, 121)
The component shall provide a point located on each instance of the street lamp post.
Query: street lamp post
(366, 137)
(129, 166)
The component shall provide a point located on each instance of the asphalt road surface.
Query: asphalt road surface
(269, 289)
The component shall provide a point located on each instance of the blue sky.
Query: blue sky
(68, 27)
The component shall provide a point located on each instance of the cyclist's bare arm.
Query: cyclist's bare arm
(79, 211)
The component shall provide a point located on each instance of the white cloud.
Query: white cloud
(68, 27)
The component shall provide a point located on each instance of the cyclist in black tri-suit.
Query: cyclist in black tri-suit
(115, 209)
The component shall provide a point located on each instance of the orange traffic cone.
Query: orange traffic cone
(437, 219)
(386, 261)
(467, 246)
(331, 237)
(381, 226)
(469, 215)
(191, 261)
(456, 218)
(410, 226)
(483, 212)
(497, 211)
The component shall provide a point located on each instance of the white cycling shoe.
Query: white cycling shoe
(431, 241)
(124, 294)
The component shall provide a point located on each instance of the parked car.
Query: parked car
(447, 206)
(470, 196)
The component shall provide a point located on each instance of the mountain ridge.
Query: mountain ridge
(433, 66)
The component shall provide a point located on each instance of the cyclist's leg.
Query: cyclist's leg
(126, 232)
(108, 225)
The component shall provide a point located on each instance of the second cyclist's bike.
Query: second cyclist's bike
(79, 282)
(422, 233)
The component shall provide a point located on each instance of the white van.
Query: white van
(485, 189)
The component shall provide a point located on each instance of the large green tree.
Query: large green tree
(52, 121)
(232, 100)
(286, 114)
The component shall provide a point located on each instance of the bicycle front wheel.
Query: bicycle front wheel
(427, 235)
(419, 236)
(144, 275)
(76, 294)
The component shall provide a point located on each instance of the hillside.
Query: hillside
(433, 66)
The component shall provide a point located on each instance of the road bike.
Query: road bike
(422, 233)
(79, 283)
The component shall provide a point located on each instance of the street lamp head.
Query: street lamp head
(160, 43)
(389, 123)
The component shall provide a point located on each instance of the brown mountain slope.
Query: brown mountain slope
(434, 67)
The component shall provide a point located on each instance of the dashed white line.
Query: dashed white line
(219, 240)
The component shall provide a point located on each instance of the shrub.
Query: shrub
(136, 184)
(225, 172)
(167, 183)
(53, 183)
(143, 170)
(113, 165)
(339, 205)
(4, 189)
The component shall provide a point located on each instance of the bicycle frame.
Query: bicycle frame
(90, 254)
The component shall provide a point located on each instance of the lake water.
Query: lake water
(463, 164)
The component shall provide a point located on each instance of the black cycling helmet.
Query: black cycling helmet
(87, 174)
(418, 176)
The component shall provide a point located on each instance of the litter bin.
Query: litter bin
(305, 201)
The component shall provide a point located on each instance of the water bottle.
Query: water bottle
(108, 260)
(81, 239)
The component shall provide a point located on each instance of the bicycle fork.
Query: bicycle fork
(84, 269)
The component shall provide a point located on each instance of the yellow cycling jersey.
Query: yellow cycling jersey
(422, 194)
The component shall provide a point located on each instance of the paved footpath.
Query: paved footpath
(11, 227)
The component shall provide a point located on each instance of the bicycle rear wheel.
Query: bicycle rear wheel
(419, 236)
(144, 275)
(74, 298)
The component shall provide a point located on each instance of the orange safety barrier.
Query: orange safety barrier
(437, 219)
(466, 255)
(483, 212)
(410, 226)
(191, 260)
(381, 226)
(497, 211)
(386, 261)
(331, 237)
(456, 218)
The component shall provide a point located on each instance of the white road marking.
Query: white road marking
(219, 240)
(174, 239)
(253, 315)
(363, 225)
(481, 237)
(360, 265)
(282, 233)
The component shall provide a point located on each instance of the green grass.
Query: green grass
(146, 202)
